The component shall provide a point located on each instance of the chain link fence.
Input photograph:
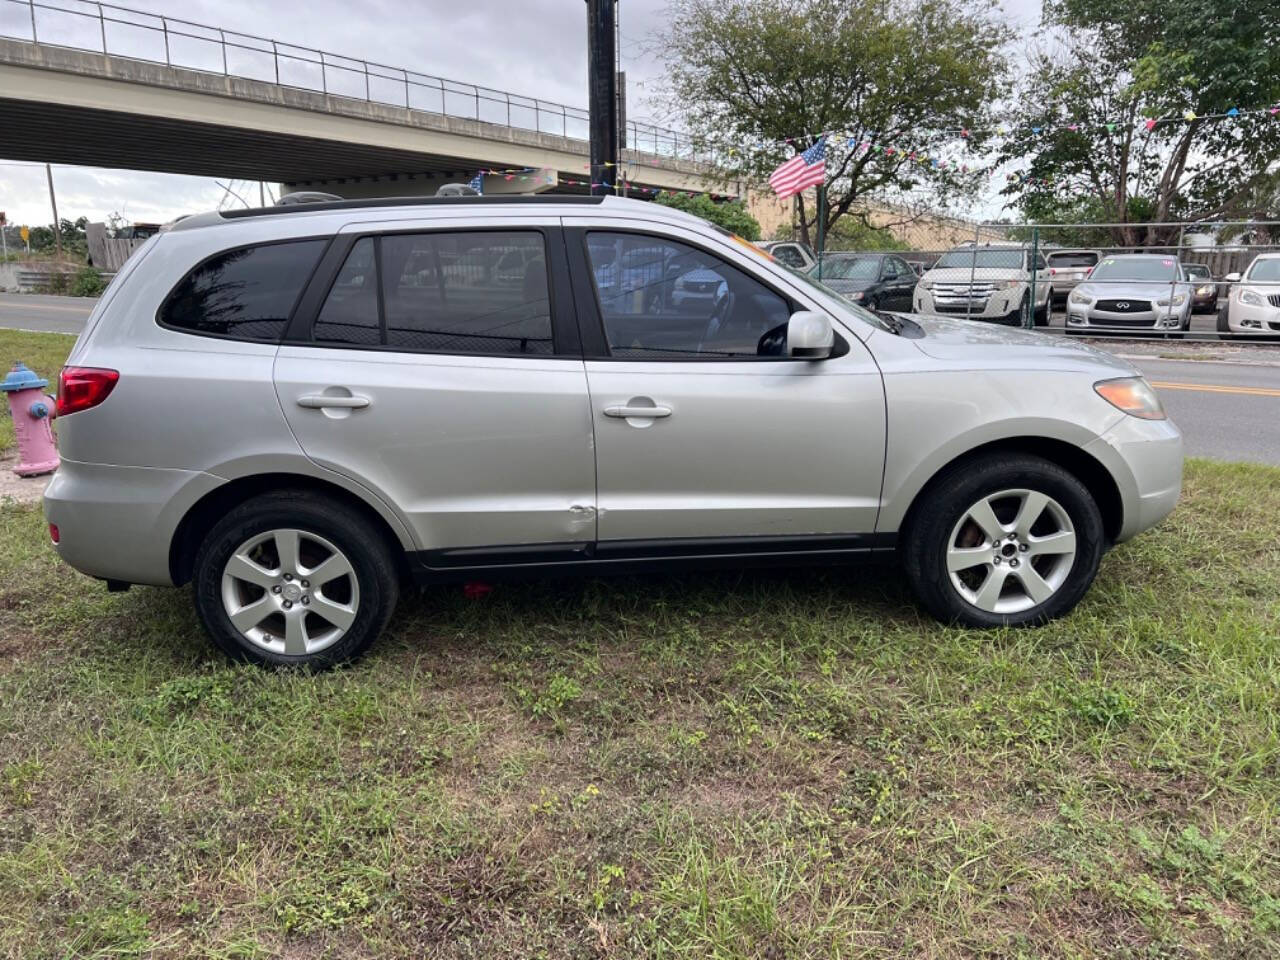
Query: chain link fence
(1209, 281)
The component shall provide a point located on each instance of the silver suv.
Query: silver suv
(300, 410)
(988, 281)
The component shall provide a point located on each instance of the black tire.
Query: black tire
(362, 544)
(1020, 316)
(1223, 328)
(947, 499)
(1042, 315)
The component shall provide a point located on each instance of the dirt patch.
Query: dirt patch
(14, 487)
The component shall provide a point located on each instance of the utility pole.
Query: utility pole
(602, 95)
(57, 230)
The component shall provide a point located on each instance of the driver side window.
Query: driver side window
(662, 299)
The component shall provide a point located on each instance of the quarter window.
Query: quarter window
(350, 312)
(466, 293)
(245, 294)
(662, 299)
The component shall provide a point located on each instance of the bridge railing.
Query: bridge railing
(151, 37)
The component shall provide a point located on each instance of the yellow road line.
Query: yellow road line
(1216, 388)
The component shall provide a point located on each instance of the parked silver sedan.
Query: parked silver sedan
(1133, 291)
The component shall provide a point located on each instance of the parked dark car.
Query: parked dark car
(880, 281)
(1205, 298)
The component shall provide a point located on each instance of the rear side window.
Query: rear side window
(244, 294)
(466, 292)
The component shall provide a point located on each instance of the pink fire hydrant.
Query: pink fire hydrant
(31, 410)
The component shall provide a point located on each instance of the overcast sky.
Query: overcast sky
(532, 47)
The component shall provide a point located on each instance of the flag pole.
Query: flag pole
(822, 224)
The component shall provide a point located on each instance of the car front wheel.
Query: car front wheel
(1011, 541)
(294, 579)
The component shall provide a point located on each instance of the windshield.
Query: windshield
(850, 268)
(1136, 268)
(1196, 271)
(1007, 259)
(1268, 270)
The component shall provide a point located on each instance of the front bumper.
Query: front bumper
(1158, 319)
(117, 523)
(998, 305)
(1244, 318)
(1145, 459)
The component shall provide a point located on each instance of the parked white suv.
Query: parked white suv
(301, 409)
(989, 281)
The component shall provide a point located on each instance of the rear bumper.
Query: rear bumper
(117, 523)
(1145, 459)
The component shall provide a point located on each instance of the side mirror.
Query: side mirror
(1232, 278)
(809, 336)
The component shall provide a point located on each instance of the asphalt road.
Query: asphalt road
(22, 311)
(1229, 411)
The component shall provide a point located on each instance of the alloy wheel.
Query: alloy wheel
(290, 592)
(1011, 551)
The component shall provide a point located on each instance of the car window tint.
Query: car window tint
(467, 293)
(1061, 260)
(246, 293)
(900, 266)
(350, 312)
(661, 299)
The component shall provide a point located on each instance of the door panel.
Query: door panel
(786, 448)
(474, 451)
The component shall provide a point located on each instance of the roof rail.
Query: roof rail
(523, 199)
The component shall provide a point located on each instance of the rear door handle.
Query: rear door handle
(318, 401)
(623, 411)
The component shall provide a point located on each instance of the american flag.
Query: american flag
(802, 171)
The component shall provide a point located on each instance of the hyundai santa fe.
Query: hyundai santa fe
(300, 410)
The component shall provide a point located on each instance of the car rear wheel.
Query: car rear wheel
(1011, 541)
(294, 579)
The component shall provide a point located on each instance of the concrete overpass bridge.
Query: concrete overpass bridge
(106, 86)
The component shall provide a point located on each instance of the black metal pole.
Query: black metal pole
(602, 96)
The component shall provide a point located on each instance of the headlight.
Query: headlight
(1133, 395)
(1251, 298)
(1177, 301)
(1204, 291)
(1010, 284)
(926, 284)
(1078, 296)
(856, 295)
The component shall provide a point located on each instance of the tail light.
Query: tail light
(1053, 271)
(80, 388)
(54, 535)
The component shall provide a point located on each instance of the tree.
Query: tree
(730, 214)
(1123, 63)
(759, 80)
(75, 245)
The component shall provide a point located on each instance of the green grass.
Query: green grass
(766, 765)
(44, 353)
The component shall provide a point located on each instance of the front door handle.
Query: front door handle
(626, 411)
(318, 401)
